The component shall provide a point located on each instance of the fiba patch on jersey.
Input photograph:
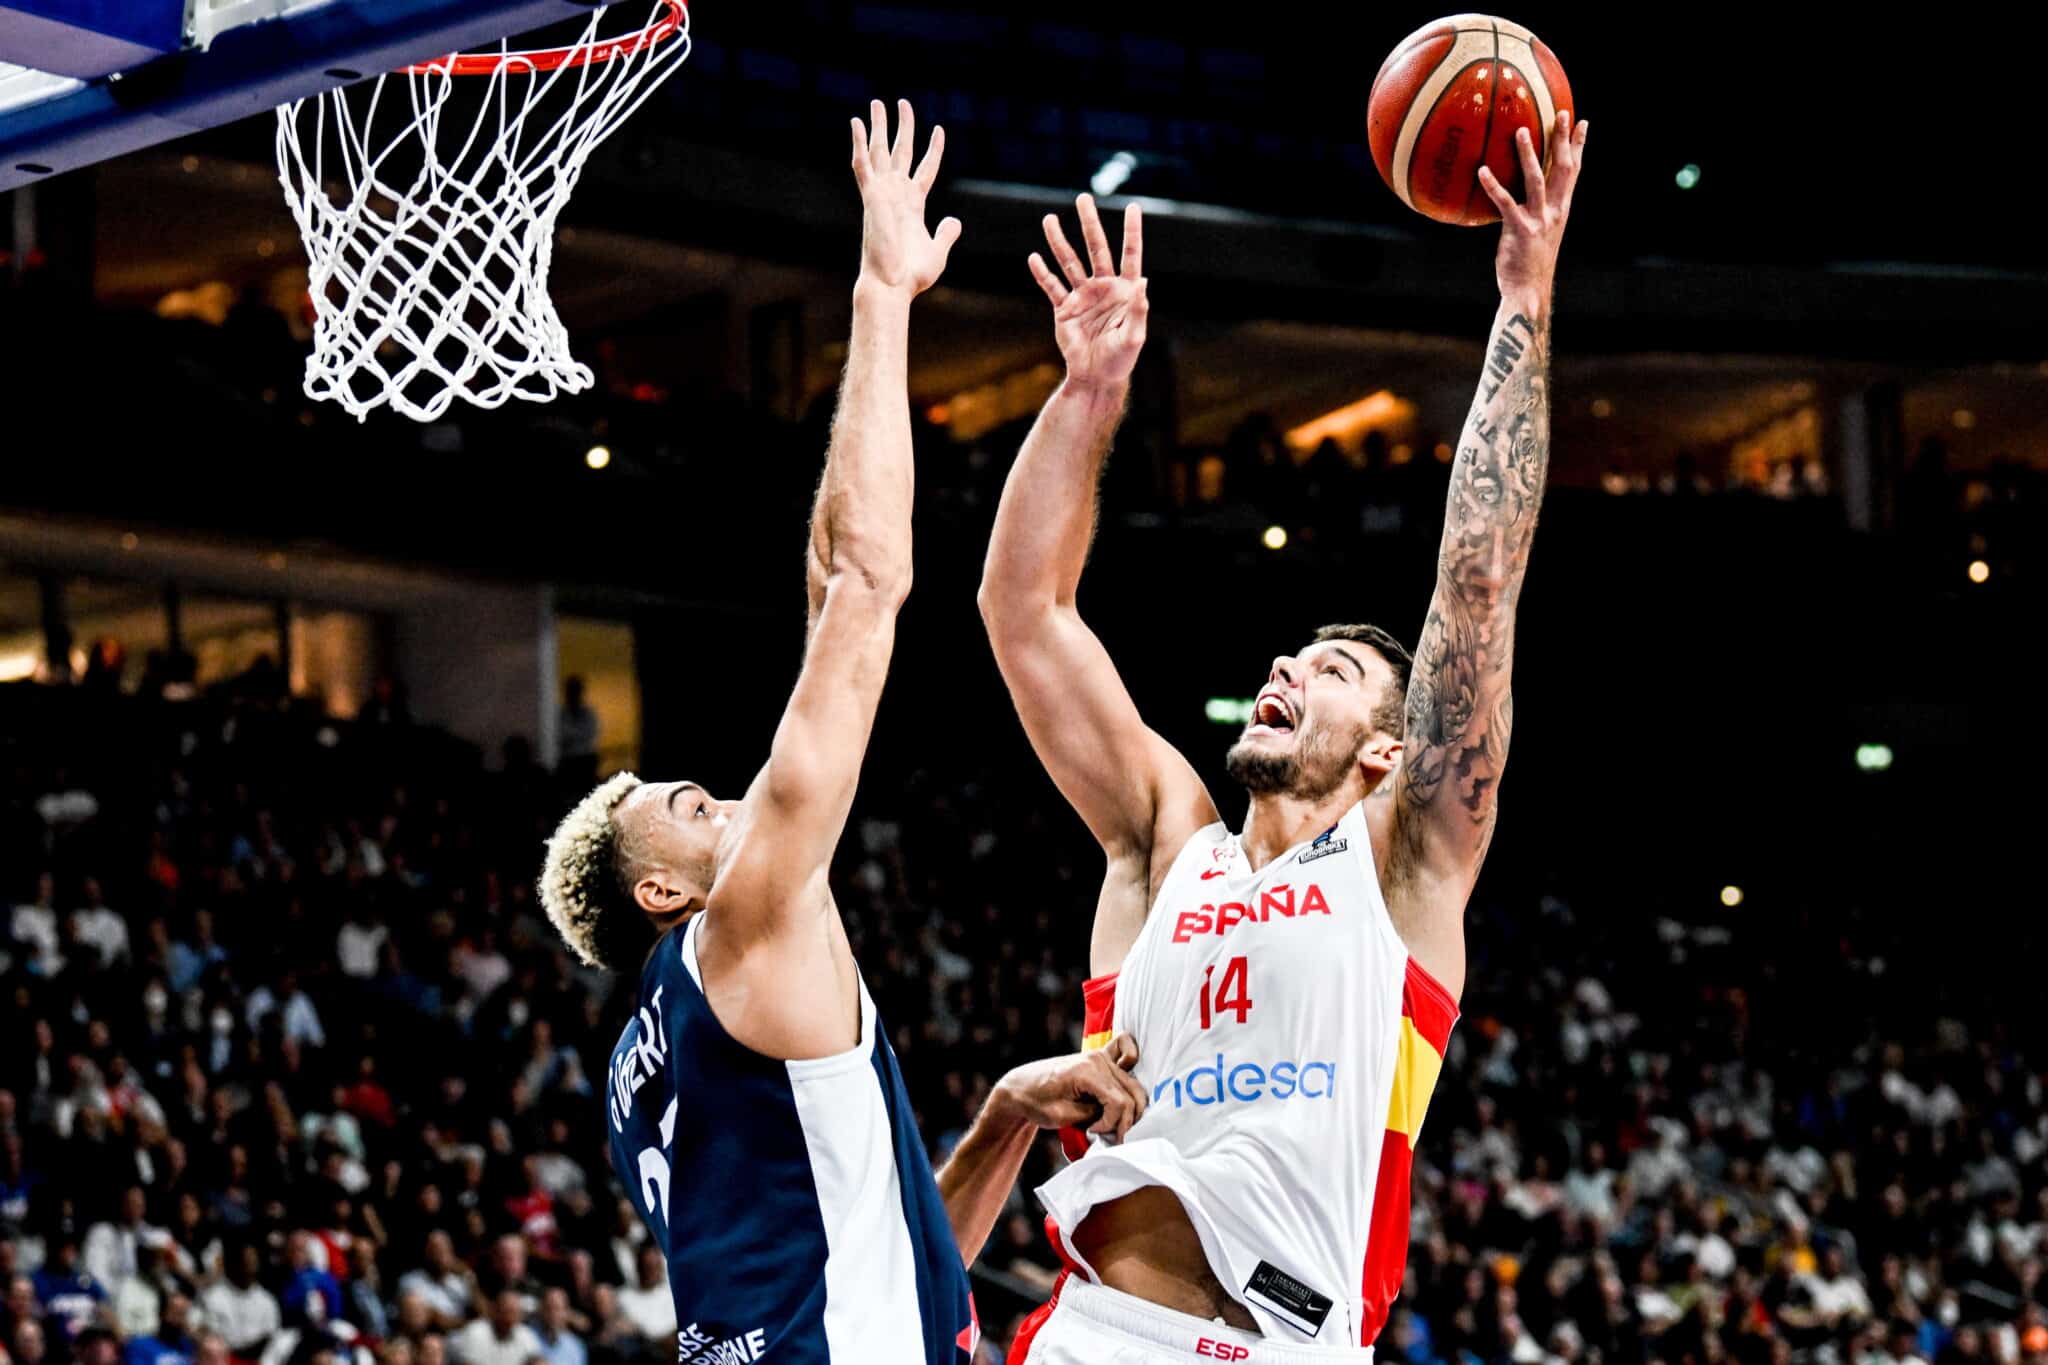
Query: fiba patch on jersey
(1287, 1298)
(1323, 848)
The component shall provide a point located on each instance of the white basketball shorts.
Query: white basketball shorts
(1092, 1325)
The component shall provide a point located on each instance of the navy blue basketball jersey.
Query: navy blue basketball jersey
(793, 1200)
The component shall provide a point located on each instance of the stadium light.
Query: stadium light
(1275, 538)
(1731, 896)
(597, 457)
(1111, 175)
(1873, 758)
(1229, 710)
(1688, 176)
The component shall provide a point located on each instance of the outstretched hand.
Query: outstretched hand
(1099, 309)
(1532, 231)
(897, 252)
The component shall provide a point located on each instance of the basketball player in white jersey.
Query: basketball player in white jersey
(753, 1106)
(1293, 984)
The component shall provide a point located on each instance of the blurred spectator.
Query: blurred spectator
(305, 1280)
(171, 1343)
(559, 1345)
(239, 1307)
(114, 1248)
(34, 929)
(507, 1274)
(647, 1303)
(70, 1296)
(502, 1337)
(100, 927)
(443, 1284)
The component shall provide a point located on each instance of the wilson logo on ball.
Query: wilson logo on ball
(1449, 100)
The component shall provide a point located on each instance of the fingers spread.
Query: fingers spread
(928, 169)
(878, 132)
(1498, 193)
(1134, 242)
(943, 239)
(1533, 187)
(1063, 251)
(1099, 259)
(906, 135)
(1047, 281)
(860, 152)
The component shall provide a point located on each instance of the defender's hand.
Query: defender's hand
(1531, 232)
(1095, 1089)
(896, 250)
(1098, 318)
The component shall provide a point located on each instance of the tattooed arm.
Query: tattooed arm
(1460, 707)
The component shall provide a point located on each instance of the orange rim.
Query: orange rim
(670, 21)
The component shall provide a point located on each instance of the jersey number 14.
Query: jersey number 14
(1231, 995)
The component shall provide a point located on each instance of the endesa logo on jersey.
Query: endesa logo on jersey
(1277, 902)
(1221, 1082)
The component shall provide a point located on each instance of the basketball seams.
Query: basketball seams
(1421, 147)
(1428, 94)
(1420, 40)
(1486, 135)
(1544, 99)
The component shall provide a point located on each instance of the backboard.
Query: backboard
(86, 80)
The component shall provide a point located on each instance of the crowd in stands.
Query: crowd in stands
(293, 1072)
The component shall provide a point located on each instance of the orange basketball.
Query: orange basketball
(1449, 100)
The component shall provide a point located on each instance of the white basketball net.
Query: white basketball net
(429, 245)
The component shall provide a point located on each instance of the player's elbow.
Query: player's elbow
(1014, 616)
(878, 583)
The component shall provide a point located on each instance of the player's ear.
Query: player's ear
(661, 893)
(1380, 756)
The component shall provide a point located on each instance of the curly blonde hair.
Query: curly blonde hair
(581, 882)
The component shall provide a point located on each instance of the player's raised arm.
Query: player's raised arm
(859, 552)
(1459, 704)
(1133, 790)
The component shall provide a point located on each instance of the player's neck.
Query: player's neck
(1277, 821)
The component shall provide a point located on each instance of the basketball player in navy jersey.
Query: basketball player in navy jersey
(753, 1106)
(1293, 984)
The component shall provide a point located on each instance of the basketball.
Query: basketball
(1448, 100)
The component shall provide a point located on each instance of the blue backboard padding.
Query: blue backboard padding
(251, 70)
(89, 38)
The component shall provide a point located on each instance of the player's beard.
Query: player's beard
(1316, 766)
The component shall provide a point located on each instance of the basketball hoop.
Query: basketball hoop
(429, 232)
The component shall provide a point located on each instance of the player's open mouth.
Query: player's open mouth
(1271, 715)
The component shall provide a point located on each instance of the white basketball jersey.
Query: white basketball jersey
(1289, 1045)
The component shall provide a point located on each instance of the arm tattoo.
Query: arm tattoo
(1459, 708)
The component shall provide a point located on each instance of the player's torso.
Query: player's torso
(793, 1199)
(1273, 1010)
(1267, 1007)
